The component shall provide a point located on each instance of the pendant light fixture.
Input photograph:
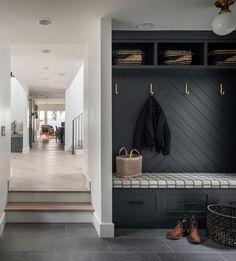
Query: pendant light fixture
(224, 23)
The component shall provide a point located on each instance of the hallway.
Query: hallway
(47, 167)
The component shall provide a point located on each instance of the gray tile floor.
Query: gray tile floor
(73, 242)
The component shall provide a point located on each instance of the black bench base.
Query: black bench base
(159, 208)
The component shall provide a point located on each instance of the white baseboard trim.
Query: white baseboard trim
(79, 152)
(104, 230)
(2, 223)
(26, 150)
(67, 148)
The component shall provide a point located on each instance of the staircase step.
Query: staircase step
(48, 206)
(45, 212)
(49, 196)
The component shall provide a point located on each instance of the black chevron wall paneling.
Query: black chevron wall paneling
(203, 123)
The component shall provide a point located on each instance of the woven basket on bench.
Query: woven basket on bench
(221, 224)
(128, 165)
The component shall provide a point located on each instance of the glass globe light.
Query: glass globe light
(224, 23)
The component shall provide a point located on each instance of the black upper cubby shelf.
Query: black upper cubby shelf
(180, 53)
(133, 54)
(154, 54)
(221, 54)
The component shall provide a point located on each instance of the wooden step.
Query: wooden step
(48, 206)
(49, 196)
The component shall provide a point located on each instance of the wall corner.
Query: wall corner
(2, 223)
(104, 230)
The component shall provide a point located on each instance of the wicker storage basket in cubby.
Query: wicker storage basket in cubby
(221, 224)
(219, 57)
(178, 57)
(128, 57)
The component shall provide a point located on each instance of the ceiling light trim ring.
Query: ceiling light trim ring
(45, 21)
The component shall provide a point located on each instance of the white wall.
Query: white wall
(106, 121)
(20, 109)
(5, 114)
(74, 104)
(98, 126)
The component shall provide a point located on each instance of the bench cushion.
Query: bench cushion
(177, 180)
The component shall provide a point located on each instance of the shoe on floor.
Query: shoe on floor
(178, 231)
(194, 234)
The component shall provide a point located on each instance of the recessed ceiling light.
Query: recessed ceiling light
(62, 74)
(45, 22)
(46, 51)
(144, 26)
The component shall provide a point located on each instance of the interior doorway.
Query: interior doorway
(45, 160)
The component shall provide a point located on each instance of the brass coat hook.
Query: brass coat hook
(151, 92)
(116, 89)
(222, 91)
(186, 89)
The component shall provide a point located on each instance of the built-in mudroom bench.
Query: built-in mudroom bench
(192, 75)
(157, 200)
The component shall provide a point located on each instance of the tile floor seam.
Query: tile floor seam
(222, 257)
(133, 251)
(172, 250)
(156, 255)
(66, 229)
(108, 245)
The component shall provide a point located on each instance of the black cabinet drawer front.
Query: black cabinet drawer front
(134, 203)
(15, 142)
(225, 198)
(185, 203)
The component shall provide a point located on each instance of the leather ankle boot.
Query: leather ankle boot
(194, 235)
(178, 231)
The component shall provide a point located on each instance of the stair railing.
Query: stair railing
(77, 133)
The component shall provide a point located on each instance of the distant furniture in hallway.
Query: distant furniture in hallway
(16, 136)
(51, 131)
(16, 143)
(60, 133)
(45, 130)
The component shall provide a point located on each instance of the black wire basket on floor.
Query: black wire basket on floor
(221, 224)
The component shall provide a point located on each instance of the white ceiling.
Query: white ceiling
(74, 20)
(46, 71)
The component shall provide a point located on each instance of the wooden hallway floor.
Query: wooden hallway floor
(47, 167)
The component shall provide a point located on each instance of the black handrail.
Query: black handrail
(77, 133)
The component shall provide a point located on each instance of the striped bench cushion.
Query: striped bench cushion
(177, 180)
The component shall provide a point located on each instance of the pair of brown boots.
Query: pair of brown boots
(182, 229)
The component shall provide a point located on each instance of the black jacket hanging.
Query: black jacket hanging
(152, 129)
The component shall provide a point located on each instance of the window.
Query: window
(55, 117)
(41, 118)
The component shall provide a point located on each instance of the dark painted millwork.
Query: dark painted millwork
(17, 144)
(171, 35)
(203, 123)
(135, 208)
